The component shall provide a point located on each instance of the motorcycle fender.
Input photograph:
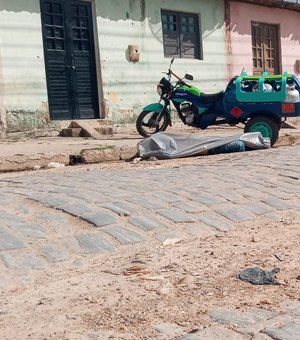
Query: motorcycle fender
(154, 107)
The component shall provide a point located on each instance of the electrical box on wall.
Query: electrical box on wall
(134, 53)
(297, 66)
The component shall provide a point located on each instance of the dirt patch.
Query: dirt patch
(288, 139)
(144, 285)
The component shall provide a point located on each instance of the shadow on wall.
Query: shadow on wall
(135, 10)
(114, 9)
(20, 6)
(139, 10)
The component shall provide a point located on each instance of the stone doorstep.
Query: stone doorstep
(105, 130)
(86, 130)
(83, 132)
(71, 132)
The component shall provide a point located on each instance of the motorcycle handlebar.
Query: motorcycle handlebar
(175, 75)
(180, 80)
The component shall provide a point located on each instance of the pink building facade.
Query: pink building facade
(260, 36)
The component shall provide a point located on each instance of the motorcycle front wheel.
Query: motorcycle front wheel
(147, 123)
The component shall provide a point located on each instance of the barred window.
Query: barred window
(181, 36)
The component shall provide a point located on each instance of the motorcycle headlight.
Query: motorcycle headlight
(159, 89)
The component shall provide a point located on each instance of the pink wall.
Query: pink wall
(240, 43)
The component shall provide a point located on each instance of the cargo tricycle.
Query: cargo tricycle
(260, 102)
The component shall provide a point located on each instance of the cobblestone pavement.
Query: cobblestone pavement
(50, 217)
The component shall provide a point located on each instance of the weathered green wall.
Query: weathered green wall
(22, 70)
(127, 86)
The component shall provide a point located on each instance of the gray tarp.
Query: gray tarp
(164, 146)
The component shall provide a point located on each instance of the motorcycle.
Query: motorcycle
(194, 107)
(245, 100)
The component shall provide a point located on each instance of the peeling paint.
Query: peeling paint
(242, 13)
(22, 120)
(113, 97)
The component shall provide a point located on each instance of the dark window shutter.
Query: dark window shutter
(181, 36)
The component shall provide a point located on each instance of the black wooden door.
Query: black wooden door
(70, 59)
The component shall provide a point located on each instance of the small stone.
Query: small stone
(93, 301)
(282, 282)
(171, 241)
(70, 317)
(165, 290)
(265, 302)
(186, 280)
(255, 239)
(298, 278)
(53, 165)
(136, 160)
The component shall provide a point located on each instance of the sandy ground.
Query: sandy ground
(125, 294)
(144, 285)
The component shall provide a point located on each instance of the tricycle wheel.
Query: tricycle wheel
(149, 122)
(267, 126)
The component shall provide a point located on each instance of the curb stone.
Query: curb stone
(88, 156)
(27, 162)
(107, 154)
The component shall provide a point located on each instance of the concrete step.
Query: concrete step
(89, 131)
(84, 129)
(71, 132)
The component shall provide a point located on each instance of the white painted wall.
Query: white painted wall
(22, 59)
(127, 86)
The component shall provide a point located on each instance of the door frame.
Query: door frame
(99, 90)
(101, 102)
(279, 54)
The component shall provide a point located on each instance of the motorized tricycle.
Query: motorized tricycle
(261, 103)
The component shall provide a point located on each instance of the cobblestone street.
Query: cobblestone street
(48, 218)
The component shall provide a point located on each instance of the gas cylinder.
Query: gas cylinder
(292, 95)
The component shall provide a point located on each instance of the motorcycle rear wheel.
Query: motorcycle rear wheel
(146, 124)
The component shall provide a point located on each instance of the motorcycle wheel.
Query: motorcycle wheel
(146, 125)
(268, 127)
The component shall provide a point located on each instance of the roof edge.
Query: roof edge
(273, 3)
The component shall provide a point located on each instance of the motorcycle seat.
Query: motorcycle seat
(213, 97)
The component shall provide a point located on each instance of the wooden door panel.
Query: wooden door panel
(58, 82)
(265, 48)
(70, 59)
(270, 38)
(58, 88)
(257, 49)
(83, 59)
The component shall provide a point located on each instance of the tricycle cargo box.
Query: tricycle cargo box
(267, 88)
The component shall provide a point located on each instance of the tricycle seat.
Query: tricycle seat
(213, 97)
